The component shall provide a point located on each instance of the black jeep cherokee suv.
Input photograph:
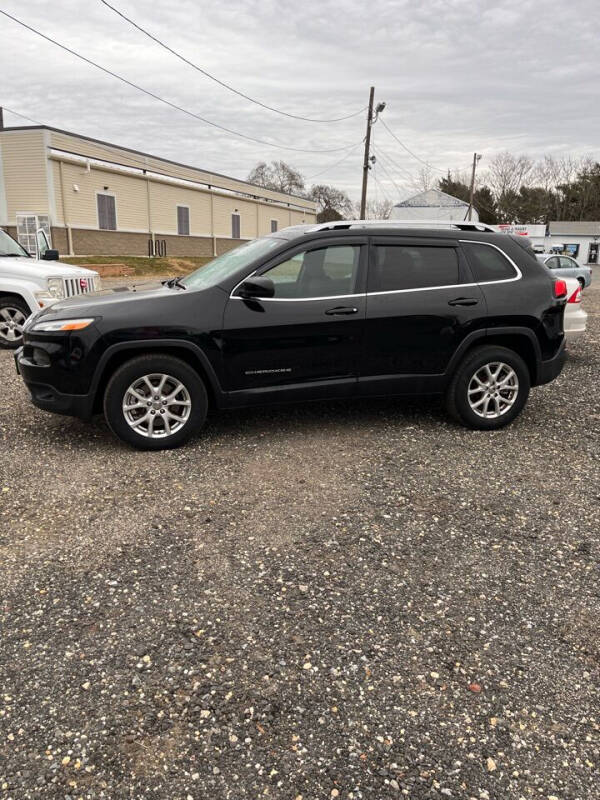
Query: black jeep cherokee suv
(340, 310)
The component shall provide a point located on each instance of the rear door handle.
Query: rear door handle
(341, 310)
(463, 301)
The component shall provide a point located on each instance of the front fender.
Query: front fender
(23, 288)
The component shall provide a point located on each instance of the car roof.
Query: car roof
(546, 256)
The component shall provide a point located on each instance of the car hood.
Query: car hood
(92, 304)
(43, 269)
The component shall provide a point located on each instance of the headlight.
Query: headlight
(62, 325)
(56, 288)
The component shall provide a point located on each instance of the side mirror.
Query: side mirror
(256, 287)
(50, 255)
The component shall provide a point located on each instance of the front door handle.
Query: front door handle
(463, 301)
(341, 310)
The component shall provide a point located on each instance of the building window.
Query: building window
(274, 225)
(27, 227)
(183, 220)
(107, 212)
(235, 226)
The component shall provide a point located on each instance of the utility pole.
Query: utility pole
(476, 157)
(363, 197)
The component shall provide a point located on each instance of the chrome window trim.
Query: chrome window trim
(294, 299)
(297, 299)
(517, 277)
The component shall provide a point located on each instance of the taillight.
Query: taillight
(576, 296)
(560, 288)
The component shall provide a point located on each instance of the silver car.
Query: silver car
(566, 267)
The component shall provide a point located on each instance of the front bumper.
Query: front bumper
(549, 370)
(47, 397)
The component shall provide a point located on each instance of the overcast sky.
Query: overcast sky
(457, 76)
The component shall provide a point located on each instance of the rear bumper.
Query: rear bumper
(47, 397)
(575, 323)
(549, 370)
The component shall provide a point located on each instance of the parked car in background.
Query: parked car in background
(28, 284)
(566, 267)
(575, 319)
(341, 309)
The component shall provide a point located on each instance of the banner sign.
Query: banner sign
(539, 231)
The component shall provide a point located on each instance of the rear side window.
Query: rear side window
(397, 267)
(488, 263)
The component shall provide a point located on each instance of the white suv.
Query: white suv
(28, 284)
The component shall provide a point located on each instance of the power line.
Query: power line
(217, 80)
(145, 166)
(408, 150)
(23, 116)
(332, 166)
(144, 162)
(381, 186)
(163, 100)
(402, 170)
(397, 188)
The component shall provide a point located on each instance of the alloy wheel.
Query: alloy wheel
(156, 406)
(12, 321)
(493, 390)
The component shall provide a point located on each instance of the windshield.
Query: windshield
(229, 263)
(8, 246)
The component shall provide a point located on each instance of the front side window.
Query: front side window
(326, 272)
(183, 221)
(107, 212)
(488, 263)
(400, 267)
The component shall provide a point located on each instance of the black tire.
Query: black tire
(457, 394)
(581, 283)
(8, 305)
(148, 365)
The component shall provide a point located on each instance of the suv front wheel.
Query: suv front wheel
(489, 388)
(155, 402)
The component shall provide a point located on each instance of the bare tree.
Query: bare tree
(278, 176)
(507, 173)
(425, 179)
(376, 209)
(332, 203)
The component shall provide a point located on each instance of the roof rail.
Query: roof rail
(402, 223)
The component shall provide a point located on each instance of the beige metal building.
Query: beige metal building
(96, 198)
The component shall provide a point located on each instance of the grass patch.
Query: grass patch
(165, 267)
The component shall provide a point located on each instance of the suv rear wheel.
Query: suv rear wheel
(13, 313)
(489, 388)
(155, 402)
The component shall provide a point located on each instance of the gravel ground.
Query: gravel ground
(353, 600)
